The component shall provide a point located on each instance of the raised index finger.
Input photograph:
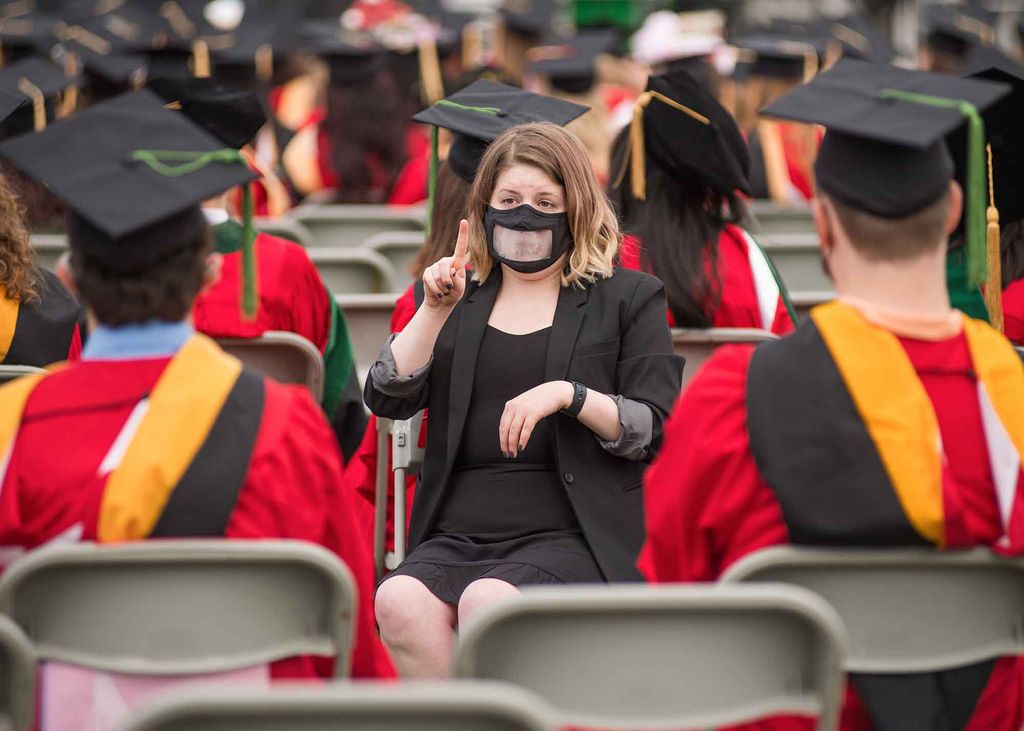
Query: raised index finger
(461, 255)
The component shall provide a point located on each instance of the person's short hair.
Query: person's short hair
(562, 157)
(164, 291)
(894, 239)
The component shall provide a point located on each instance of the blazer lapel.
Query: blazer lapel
(568, 319)
(475, 311)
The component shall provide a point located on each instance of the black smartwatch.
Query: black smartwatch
(579, 396)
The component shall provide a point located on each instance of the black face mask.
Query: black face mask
(525, 239)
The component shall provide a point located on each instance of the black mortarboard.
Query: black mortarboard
(352, 58)
(884, 151)
(683, 129)
(125, 212)
(859, 39)
(956, 28)
(36, 80)
(777, 56)
(483, 110)
(529, 17)
(233, 116)
(570, 63)
(9, 104)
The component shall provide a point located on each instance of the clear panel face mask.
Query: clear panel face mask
(522, 245)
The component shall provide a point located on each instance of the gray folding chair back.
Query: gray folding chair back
(284, 228)
(350, 225)
(453, 706)
(182, 607)
(697, 345)
(400, 248)
(889, 602)
(797, 258)
(770, 217)
(9, 373)
(283, 356)
(804, 302)
(354, 270)
(1020, 352)
(629, 657)
(48, 249)
(17, 678)
(368, 318)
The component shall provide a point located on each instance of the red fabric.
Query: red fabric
(1013, 311)
(292, 296)
(738, 304)
(361, 472)
(75, 349)
(292, 489)
(707, 505)
(794, 150)
(411, 185)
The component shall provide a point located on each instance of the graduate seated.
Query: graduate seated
(291, 295)
(886, 419)
(157, 432)
(678, 188)
(1013, 281)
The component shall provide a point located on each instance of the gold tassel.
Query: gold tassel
(264, 63)
(32, 91)
(430, 72)
(200, 60)
(69, 102)
(994, 282)
(638, 168)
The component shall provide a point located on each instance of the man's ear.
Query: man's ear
(211, 271)
(63, 271)
(824, 224)
(956, 206)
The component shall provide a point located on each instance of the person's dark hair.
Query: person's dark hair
(894, 239)
(18, 276)
(450, 199)
(164, 291)
(367, 137)
(1013, 251)
(678, 225)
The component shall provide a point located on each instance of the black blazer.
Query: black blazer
(611, 336)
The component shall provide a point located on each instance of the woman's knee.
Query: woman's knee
(482, 593)
(404, 605)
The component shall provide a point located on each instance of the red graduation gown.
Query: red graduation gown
(738, 306)
(292, 296)
(1013, 311)
(707, 505)
(292, 489)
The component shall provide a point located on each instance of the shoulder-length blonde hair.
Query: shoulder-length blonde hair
(560, 156)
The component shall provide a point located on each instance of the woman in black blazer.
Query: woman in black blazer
(547, 379)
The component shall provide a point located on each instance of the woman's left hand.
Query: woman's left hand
(523, 413)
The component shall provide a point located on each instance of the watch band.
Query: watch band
(579, 396)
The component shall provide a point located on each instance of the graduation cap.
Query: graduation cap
(233, 116)
(884, 150)
(684, 130)
(529, 17)
(858, 38)
(481, 112)
(351, 57)
(780, 57)
(133, 174)
(570, 63)
(956, 28)
(37, 80)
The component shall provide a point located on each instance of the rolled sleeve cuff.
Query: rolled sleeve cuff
(386, 379)
(637, 423)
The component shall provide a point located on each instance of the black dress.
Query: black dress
(507, 519)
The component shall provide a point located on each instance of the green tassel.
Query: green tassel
(976, 202)
(432, 179)
(188, 162)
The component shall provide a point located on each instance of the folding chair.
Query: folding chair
(398, 247)
(354, 270)
(283, 356)
(452, 706)
(350, 225)
(1020, 352)
(804, 302)
(182, 607)
(406, 460)
(767, 217)
(49, 248)
(284, 228)
(17, 678)
(11, 372)
(697, 345)
(368, 317)
(883, 594)
(629, 657)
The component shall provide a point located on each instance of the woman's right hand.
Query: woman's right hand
(444, 282)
